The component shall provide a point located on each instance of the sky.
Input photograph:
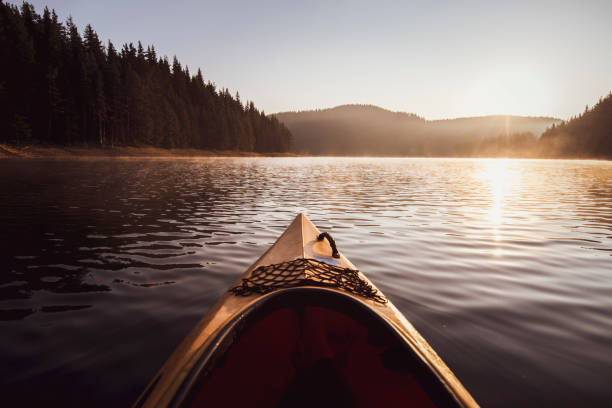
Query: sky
(438, 59)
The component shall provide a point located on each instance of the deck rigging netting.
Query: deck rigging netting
(306, 272)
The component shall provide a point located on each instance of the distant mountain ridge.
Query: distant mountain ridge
(372, 130)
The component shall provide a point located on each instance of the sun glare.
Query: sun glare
(501, 178)
(497, 174)
(503, 91)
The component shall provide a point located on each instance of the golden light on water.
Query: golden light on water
(497, 175)
(501, 177)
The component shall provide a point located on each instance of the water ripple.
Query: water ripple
(503, 265)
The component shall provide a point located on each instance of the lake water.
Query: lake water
(504, 266)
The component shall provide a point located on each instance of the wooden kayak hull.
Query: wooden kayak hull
(173, 382)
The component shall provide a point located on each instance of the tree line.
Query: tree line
(518, 144)
(586, 135)
(371, 130)
(60, 87)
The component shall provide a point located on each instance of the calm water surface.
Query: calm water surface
(503, 265)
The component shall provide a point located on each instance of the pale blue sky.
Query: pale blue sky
(435, 58)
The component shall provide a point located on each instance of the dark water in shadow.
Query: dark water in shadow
(503, 265)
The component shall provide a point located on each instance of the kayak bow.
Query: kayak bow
(303, 327)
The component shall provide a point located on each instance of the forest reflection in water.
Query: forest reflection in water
(503, 265)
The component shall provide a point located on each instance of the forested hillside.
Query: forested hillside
(587, 135)
(371, 130)
(354, 129)
(58, 87)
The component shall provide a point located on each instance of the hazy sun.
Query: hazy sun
(503, 91)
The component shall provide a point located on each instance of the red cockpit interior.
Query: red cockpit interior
(312, 356)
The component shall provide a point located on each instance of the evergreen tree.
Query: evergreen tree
(59, 87)
(587, 135)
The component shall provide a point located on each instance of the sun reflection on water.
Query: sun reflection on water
(424, 230)
(501, 176)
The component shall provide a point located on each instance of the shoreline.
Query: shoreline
(149, 152)
(71, 152)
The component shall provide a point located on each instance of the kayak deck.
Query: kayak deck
(293, 346)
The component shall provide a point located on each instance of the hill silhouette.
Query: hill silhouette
(371, 130)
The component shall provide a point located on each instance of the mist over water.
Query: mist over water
(504, 266)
